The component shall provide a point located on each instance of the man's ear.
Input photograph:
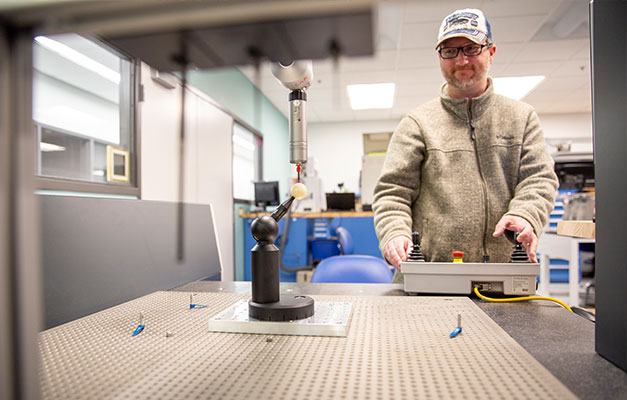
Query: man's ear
(492, 50)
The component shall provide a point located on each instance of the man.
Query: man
(463, 168)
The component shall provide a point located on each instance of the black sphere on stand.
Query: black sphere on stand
(266, 303)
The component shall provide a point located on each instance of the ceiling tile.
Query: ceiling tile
(525, 69)
(575, 68)
(326, 94)
(334, 116)
(329, 103)
(508, 8)
(368, 77)
(576, 99)
(382, 60)
(567, 83)
(564, 108)
(366, 115)
(584, 52)
(326, 66)
(407, 104)
(541, 95)
(497, 70)
(515, 28)
(550, 50)
(418, 75)
(505, 52)
(434, 10)
(429, 90)
(568, 20)
(418, 58)
(418, 35)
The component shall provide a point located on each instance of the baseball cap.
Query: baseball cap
(469, 23)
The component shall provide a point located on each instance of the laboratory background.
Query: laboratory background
(152, 158)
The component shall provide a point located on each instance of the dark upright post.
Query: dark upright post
(609, 101)
(265, 261)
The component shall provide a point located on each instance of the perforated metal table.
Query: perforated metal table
(562, 342)
(397, 347)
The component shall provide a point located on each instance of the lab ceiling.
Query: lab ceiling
(533, 37)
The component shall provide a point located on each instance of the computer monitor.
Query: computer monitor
(267, 194)
(340, 201)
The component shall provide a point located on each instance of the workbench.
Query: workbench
(561, 342)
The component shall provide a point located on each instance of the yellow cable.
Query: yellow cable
(482, 297)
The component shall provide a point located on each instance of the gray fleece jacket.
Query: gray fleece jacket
(455, 167)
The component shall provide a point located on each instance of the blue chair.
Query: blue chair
(351, 268)
(345, 241)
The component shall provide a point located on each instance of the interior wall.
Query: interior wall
(208, 156)
(338, 147)
(234, 92)
(573, 129)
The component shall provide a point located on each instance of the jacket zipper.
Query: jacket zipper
(484, 188)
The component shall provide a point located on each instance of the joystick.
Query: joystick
(415, 254)
(519, 255)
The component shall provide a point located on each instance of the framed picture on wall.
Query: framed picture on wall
(117, 164)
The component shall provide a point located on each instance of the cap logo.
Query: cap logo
(461, 19)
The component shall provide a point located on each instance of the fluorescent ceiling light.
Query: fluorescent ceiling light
(516, 87)
(366, 97)
(78, 58)
(43, 146)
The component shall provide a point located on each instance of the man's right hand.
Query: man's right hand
(396, 250)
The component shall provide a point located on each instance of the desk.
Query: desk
(582, 229)
(562, 342)
(320, 214)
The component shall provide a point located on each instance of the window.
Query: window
(83, 112)
(246, 162)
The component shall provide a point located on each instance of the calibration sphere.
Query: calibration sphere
(299, 191)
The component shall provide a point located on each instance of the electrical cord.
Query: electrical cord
(482, 297)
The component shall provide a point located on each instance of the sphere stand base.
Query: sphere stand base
(288, 308)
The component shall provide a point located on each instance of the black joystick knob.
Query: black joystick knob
(415, 254)
(519, 255)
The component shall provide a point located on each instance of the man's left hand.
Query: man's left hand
(526, 236)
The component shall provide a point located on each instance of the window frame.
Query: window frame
(111, 188)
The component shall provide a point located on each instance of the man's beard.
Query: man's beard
(480, 74)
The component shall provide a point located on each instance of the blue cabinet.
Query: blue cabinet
(296, 251)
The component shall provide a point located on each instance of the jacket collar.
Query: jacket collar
(459, 107)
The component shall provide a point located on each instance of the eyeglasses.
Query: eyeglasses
(469, 51)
